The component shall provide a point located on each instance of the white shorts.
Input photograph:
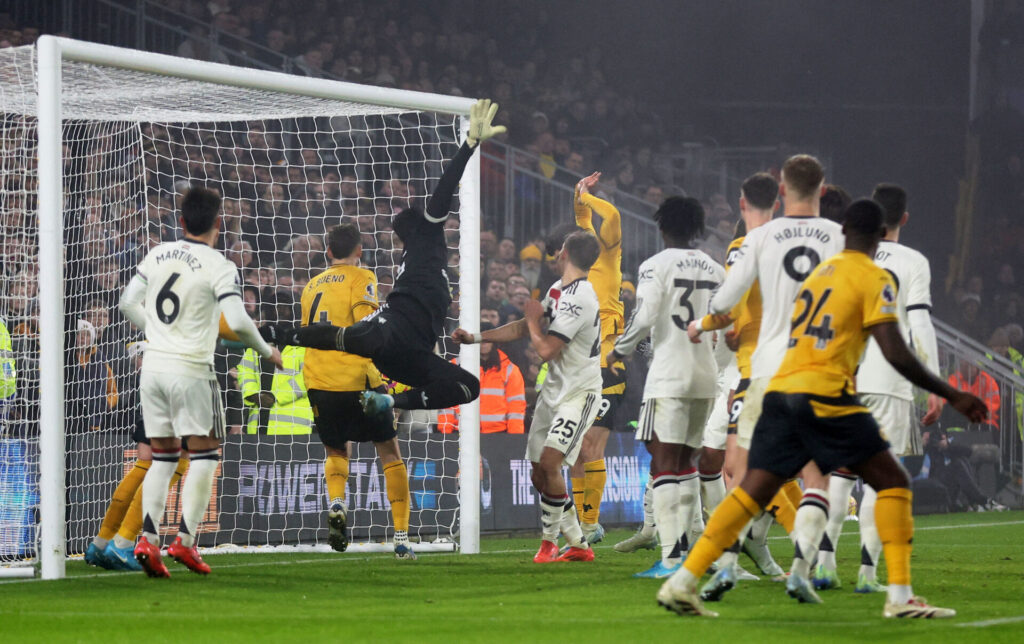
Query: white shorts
(895, 417)
(679, 421)
(752, 404)
(562, 428)
(174, 406)
(718, 423)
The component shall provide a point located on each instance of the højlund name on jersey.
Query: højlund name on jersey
(625, 482)
(802, 231)
(181, 254)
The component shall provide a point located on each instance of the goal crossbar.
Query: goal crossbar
(52, 53)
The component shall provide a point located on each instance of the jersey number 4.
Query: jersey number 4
(823, 332)
(312, 311)
(688, 287)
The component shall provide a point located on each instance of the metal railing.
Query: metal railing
(958, 352)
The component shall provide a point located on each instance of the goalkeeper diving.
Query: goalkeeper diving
(400, 336)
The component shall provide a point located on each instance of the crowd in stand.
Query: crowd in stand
(277, 205)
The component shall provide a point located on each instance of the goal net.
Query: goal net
(289, 163)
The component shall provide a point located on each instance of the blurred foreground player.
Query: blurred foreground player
(342, 295)
(811, 413)
(174, 297)
(568, 402)
(400, 336)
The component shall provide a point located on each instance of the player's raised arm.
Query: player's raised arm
(899, 355)
(504, 333)
(610, 234)
(481, 116)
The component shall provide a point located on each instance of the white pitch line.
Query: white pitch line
(994, 622)
(939, 527)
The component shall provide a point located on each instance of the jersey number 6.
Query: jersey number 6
(167, 295)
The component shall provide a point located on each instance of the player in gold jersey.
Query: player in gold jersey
(588, 473)
(342, 295)
(812, 413)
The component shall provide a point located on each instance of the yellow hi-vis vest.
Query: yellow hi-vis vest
(291, 413)
(8, 374)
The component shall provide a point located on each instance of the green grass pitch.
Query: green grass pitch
(971, 562)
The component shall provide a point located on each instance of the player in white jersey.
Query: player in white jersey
(674, 288)
(571, 396)
(888, 395)
(780, 255)
(177, 297)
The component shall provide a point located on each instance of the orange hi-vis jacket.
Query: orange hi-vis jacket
(502, 401)
(984, 387)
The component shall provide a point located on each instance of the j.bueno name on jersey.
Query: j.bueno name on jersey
(798, 232)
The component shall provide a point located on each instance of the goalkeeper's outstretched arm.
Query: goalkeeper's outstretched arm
(480, 129)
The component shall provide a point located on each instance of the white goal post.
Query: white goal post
(56, 104)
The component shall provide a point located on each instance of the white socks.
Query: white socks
(712, 488)
(870, 543)
(551, 517)
(570, 526)
(195, 495)
(648, 528)
(154, 492)
(839, 488)
(689, 505)
(809, 526)
(668, 516)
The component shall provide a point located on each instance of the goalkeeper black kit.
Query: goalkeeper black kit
(400, 336)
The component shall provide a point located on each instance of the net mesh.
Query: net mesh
(288, 168)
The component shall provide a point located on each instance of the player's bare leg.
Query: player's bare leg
(895, 524)
(557, 513)
(810, 523)
(195, 498)
(589, 471)
(396, 480)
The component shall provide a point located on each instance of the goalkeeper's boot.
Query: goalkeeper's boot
(720, 583)
(375, 403)
(916, 608)
(802, 590)
(121, 558)
(94, 556)
(825, 578)
(547, 553)
(637, 542)
(188, 557)
(593, 532)
(761, 556)
(337, 528)
(148, 555)
(575, 553)
(682, 602)
(865, 585)
(404, 551)
(658, 571)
